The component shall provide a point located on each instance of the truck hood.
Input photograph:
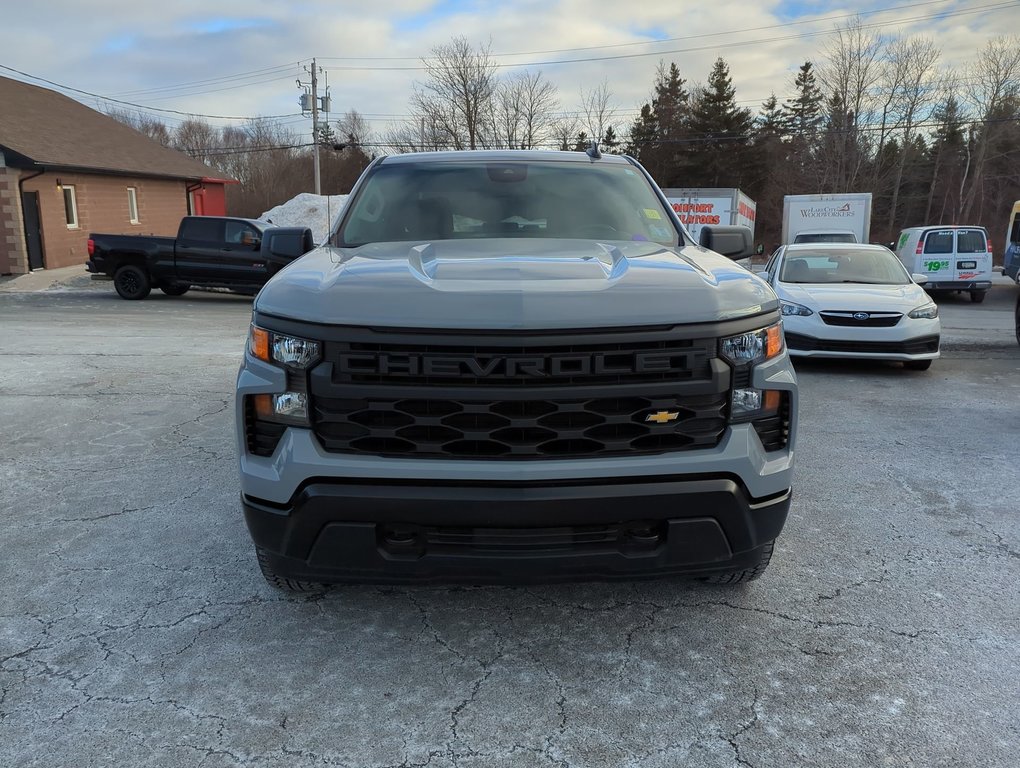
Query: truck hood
(520, 283)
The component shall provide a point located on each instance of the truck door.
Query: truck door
(242, 260)
(198, 247)
(973, 259)
(935, 250)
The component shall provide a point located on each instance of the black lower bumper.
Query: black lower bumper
(408, 532)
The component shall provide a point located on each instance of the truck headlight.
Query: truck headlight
(789, 308)
(927, 311)
(754, 346)
(285, 408)
(290, 351)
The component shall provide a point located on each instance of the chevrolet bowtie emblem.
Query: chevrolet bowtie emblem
(662, 417)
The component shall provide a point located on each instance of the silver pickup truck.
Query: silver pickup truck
(515, 365)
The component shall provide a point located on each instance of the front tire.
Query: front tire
(746, 574)
(175, 289)
(917, 365)
(280, 582)
(977, 296)
(132, 282)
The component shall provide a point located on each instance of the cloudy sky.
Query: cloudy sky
(242, 58)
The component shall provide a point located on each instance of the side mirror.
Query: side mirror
(919, 279)
(735, 242)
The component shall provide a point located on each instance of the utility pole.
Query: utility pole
(315, 127)
(310, 101)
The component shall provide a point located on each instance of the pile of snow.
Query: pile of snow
(318, 212)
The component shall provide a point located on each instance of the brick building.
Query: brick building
(67, 170)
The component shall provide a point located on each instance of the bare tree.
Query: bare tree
(994, 82)
(917, 88)
(151, 126)
(596, 110)
(849, 73)
(352, 129)
(522, 114)
(456, 97)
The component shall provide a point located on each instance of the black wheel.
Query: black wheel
(746, 574)
(132, 282)
(175, 289)
(1016, 319)
(977, 296)
(280, 582)
(917, 365)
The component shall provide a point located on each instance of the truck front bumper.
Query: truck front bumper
(342, 531)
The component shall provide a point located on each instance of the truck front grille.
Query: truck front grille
(561, 427)
(567, 394)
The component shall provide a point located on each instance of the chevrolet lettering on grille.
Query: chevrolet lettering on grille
(517, 366)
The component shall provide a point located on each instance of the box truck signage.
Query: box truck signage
(698, 208)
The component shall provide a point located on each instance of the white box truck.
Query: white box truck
(844, 218)
(711, 207)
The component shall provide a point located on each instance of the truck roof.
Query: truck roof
(501, 155)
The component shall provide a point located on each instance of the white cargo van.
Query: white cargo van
(952, 258)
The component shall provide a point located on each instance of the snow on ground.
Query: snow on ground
(318, 212)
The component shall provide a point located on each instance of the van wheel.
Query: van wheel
(977, 296)
(917, 365)
(132, 282)
(175, 289)
(280, 582)
(745, 575)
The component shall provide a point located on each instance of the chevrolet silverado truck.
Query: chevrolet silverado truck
(209, 251)
(515, 365)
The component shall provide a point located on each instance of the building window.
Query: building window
(70, 208)
(133, 204)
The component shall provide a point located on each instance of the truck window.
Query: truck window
(971, 241)
(241, 233)
(203, 229)
(939, 242)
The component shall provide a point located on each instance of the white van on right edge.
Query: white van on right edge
(956, 258)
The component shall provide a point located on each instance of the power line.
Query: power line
(138, 106)
(212, 80)
(715, 46)
(652, 42)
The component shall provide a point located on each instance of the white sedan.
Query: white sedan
(843, 300)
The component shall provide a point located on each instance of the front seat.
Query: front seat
(797, 271)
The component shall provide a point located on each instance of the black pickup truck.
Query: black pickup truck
(209, 251)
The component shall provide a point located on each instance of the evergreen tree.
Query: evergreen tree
(656, 138)
(803, 113)
(610, 142)
(719, 132)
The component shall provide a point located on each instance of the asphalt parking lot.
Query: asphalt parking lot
(135, 629)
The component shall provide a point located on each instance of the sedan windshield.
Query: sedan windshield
(463, 199)
(872, 266)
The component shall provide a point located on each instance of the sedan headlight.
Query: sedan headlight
(290, 351)
(789, 308)
(927, 311)
(754, 346)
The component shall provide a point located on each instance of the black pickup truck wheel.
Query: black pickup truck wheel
(746, 574)
(175, 289)
(283, 583)
(132, 282)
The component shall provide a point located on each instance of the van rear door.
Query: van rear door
(973, 259)
(935, 250)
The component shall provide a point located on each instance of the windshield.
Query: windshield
(425, 201)
(873, 266)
